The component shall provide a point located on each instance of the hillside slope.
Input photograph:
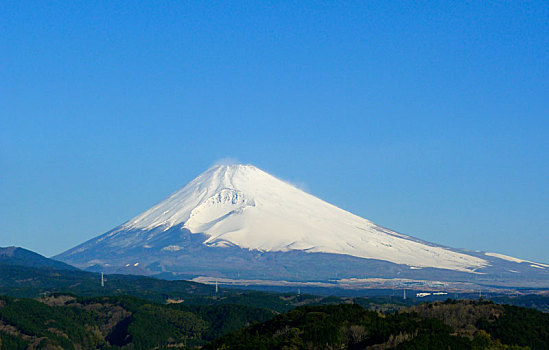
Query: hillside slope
(23, 257)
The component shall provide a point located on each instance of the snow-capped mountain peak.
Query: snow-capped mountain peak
(244, 206)
(241, 223)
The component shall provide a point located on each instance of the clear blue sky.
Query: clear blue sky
(431, 119)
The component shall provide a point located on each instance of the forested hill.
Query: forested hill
(48, 307)
(24, 257)
(71, 322)
(26, 282)
(449, 325)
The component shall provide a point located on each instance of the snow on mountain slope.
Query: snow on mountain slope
(245, 206)
(516, 260)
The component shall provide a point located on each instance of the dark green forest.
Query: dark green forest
(476, 325)
(64, 321)
(71, 322)
(50, 308)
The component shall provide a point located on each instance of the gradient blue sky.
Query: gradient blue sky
(431, 119)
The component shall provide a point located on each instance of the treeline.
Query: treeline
(32, 282)
(125, 322)
(71, 322)
(448, 325)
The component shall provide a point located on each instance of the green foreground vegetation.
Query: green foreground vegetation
(50, 308)
(63, 321)
(440, 325)
(71, 322)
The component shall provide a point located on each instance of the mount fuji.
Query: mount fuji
(239, 222)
